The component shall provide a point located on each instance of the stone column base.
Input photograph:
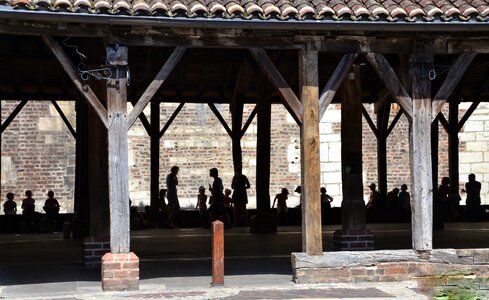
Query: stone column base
(263, 224)
(93, 250)
(120, 272)
(353, 240)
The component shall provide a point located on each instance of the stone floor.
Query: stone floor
(176, 264)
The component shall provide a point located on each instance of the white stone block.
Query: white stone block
(470, 157)
(331, 167)
(480, 168)
(331, 115)
(295, 168)
(331, 177)
(335, 137)
(332, 189)
(473, 126)
(466, 137)
(464, 168)
(482, 136)
(325, 128)
(476, 146)
(334, 152)
(323, 152)
(50, 124)
(486, 156)
(252, 162)
(168, 143)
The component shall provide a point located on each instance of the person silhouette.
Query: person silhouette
(239, 185)
(173, 204)
(281, 200)
(201, 205)
(10, 207)
(217, 210)
(473, 201)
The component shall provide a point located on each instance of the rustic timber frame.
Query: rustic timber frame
(273, 66)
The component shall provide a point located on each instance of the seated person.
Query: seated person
(51, 206)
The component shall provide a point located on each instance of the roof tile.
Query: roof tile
(391, 10)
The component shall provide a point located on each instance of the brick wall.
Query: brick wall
(38, 152)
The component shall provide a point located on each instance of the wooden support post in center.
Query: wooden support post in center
(420, 148)
(155, 156)
(217, 254)
(453, 142)
(312, 242)
(118, 148)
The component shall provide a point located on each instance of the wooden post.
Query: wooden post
(155, 155)
(420, 147)
(311, 203)
(435, 137)
(453, 165)
(117, 147)
(217, 254)
(264, 112)
(353, 205)
(237, 120)
(382, 123)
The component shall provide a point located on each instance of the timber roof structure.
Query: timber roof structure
(321, 10)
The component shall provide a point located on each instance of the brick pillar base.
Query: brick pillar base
(93, 250)
(353, 240)
(120, 272)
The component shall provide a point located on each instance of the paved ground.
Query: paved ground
(176, 264)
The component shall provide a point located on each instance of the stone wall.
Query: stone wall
(38, 152)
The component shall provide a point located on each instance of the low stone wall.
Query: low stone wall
(439, 267)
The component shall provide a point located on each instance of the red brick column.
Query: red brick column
(93, 250)
(120, 272)
(353, 240)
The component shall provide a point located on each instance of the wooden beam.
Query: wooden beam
(467, 115)
(454, 76)
(143, 119)
(153, 87)
(453, 149)
(84, 88)
(154, 134)
(370, 122)
(420, 150)
(334, 82)
(118, 152)
(394, 122)
(391, 81)
(220, 118)
(170, 120)
(12, 116)
(248, 121)
(65, 120)
(291, 101)
(311, 203)
(443, 122)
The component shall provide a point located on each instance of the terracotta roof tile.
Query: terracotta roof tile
(391, 10)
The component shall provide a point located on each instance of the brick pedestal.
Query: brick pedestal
(120, 272)
(353, 240)
(93, 250)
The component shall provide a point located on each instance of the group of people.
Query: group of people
(447, 205)
(281, 201)
(397, 204)
(29, 220)
(218, 206)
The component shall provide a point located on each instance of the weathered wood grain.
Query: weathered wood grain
(310, 171)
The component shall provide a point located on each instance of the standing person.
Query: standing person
(473, 201)
(10, 210)
(374, 207)
(173, 204)
(325, 205)
(393, 204)
(282, 209)
(405, 201)
(240, 198)
(443, 198)
(217, 210)
(28, 209)
(202, 205)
